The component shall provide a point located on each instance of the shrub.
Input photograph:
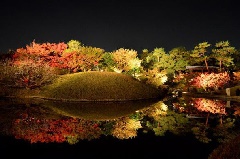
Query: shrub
(211, 80)
(25, 74)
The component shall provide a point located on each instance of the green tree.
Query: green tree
(178, 59)
(145, 64)
(144, 54)
(223, 53)
(153, 60)
(175, 60)
(199, 53)
(157, 54)
(107, 61)
(73, 45)
(236, 60)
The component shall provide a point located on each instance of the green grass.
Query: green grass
(98, 86)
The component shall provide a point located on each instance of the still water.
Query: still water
(182, 127)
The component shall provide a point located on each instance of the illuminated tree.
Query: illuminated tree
(107, 61)
(134, 66)
(155, 58)
(211, 80)
(73, 46)
(45, 53)
(178, 60)
(223, 53)
(81, 58)
(156, 77)
(199, 53)
(122, 58)
(236, 61)
(33, 66)
(147, 61)
(144, 54)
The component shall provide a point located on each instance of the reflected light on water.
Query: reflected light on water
(208, 120)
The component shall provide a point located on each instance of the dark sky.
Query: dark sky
(112, 24)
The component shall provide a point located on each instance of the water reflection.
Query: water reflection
(46, 122)
(99, 111)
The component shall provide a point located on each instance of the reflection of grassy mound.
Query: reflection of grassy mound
(99, 86)
(97, 110)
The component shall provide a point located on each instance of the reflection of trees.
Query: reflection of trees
(72, 130)
(222, 131)
(237, 111)
(163, 119)
(160, 119)
(210, 105)
(221, 128)
(200, 130)
(37, 124)
(125, 128)
(55, 130)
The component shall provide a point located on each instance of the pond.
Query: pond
(180, 127)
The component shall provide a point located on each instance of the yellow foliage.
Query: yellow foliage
(126, 128)
(123, 56)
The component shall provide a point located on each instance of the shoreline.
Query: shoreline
(212, 96)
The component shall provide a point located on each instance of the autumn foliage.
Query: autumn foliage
(210, 105)
(211, 80)
(58, 55)
(55, 130)
(39, 63)
(49, 53)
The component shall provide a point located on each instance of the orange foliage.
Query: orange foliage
(210, 105)
(54, 130)
(40, 54)
(212, 80)
(53, 54)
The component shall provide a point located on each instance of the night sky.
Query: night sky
(114, 24)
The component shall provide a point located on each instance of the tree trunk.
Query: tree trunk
(206, 63)
(220, 65)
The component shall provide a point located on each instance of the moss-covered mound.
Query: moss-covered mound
(99, 86)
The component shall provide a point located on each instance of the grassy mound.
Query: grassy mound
(106, 86)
